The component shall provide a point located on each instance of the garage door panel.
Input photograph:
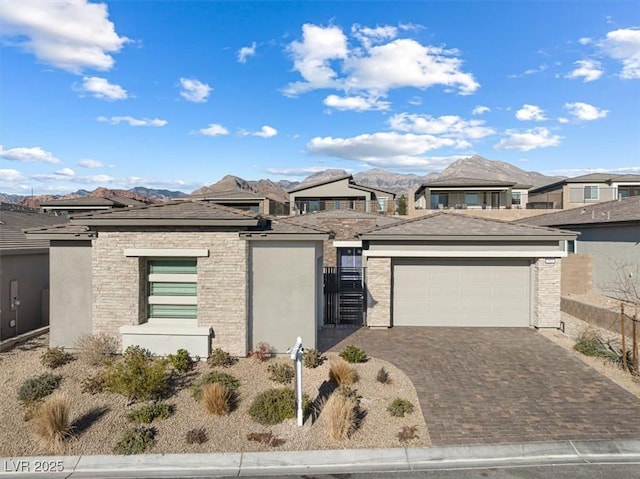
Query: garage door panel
(471, 292)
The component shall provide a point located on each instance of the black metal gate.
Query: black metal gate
(344, 295)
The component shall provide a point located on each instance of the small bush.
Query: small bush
(590, 343)
(281, 373)
(339, 416)
(216, 399)
(53, 358)
(615, 355)
(227, 380)
(220, 358)
(347, 391)
(181, 361)
(52, 422)
(265, 438)
(312, 358)
(262, 352)
(275, 405)
(94, 349)
(92, 384)
(399, 407)
(342, 374)
(196, 436)
(38, 387)
(136, 440)
(139, 376)
(382, 376)
(147, 413)
(407, 433)
(351, 354)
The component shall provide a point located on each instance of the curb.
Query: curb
(325, 461)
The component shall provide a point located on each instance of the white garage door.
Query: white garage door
(465, 292)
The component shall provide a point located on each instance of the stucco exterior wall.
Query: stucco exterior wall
(576, 274)
(31, 270)
(284, 293)
(546, 297)
(379, 289)
(70, 297)
(119, 282)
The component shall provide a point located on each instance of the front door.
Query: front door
(495, 200)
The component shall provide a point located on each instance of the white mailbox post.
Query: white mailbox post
(296, 355)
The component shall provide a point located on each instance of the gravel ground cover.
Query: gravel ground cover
(100, 420)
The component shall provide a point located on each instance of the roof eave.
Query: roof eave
(270, 236)
(551, 237)
(166, 222)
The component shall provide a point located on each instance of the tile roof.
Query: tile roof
(12, 224)
(318, 216)
(467, 182)
(228, 195)
(447, 224)
(616, 211)
(324, 182)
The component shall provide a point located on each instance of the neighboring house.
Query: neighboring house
(470, 193)
(244, 200)
(68, 207)
(445, 269)
(584, 190)
(340, 193)
(24, 271)
(185, 274)
(609, 233)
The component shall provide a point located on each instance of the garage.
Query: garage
(461, 292)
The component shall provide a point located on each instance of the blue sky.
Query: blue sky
(177, 94)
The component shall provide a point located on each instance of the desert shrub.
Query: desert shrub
(52, 421)
(382, 376)
(139, 376)
(342, 373)
(220, 358)
(147, 413)
(135, 440)
(312, 358)
(407, 433)
(281, 372)
(352, 354)
(347, 391)
(216, 399)
(92, 384)
(38, 387)
(181, 361)
(261, 352)
(227, 380)
(339, 415)
(275, 405)
(196, 436)
(267, 438)
(590, 343)
(616, 355)
(93, 349)
(55, 357)
(399, 407)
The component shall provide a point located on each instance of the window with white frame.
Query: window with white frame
(382, 203)
(590, 193)
(172, 288)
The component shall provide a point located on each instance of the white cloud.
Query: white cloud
(357, 103)
(416, 100)
(66, 172)
(530, 113)
(563, 120)
(131, 121)
(101, 88)
(530, 71)
(324, 60)
(584, 111)
(246, 52)
(266, 132)
(624, 45)
(194, 90)
(449, 126)
(527, 140)
(28, 155)
(588, 70)
(8, 174)
(295, 171)
(585, 171)
(214, 129)
(89, 163)
(584, 41)
(70, 34)
(480, 110)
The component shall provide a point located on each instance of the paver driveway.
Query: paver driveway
(497, 385)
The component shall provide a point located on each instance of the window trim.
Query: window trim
(591, 188)
(177, 300)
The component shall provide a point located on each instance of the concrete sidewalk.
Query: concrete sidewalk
(324, 462)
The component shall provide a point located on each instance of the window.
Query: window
(438, 199)
(172, 288)
(516, 198)
(382, 203)
(571, 246)
(590, 193)
(471, 198)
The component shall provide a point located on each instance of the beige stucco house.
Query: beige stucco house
(243, 200)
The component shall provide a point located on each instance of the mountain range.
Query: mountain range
(473, 167)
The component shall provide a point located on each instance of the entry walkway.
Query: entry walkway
(499, 385)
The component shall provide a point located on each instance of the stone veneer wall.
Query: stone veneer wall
(379, 292)
(546, 297)
(119, 282)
